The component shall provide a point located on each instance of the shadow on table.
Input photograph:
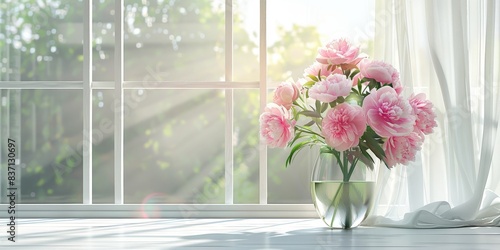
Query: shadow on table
(317, 238)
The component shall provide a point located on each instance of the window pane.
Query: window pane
(103, 30)
(289, 185)
(103, 146)
(246, 146)
(174, 40)
(48, 124)
(246, 37)
(41, 40)
(174, 146)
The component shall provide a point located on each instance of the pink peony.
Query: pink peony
(343, 126)
(381, 72)
(339, 52)
(332, 87)
(388, 113)
(275, 128)
(286, 94)
(426, 118)
(402, 149)
(316, 67)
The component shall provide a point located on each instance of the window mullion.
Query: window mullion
(118, 105)
(263, 102)
(41, 85)
(229, 159)
(87, 102)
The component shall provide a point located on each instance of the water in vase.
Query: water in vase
(342, 204)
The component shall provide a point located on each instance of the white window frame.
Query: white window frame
(119, 209)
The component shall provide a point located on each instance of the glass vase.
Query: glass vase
(341, 202)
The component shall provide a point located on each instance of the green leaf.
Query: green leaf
(314, 78)
(326, 150)
(295, 150)
(295, 113)
(309, 113)
(347, 73)
(309, 84)
(324, 106)
(366, 158)
(340, 99)
(354, 73)
(373, 145)
(318, 120)
(307, 130)
(318, 105)
(372, 84)
(309, 123)
(297, 136)
(364, 150)
(360, 87)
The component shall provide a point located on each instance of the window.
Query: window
(183, 88)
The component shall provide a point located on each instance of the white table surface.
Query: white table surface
(234, 234)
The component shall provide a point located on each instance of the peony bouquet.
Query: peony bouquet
(350, 106)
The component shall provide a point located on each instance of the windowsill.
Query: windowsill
(164, 210)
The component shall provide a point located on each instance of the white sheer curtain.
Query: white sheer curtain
(449, 50)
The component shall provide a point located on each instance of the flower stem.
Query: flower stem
(351, 170)
(335, 203)
(345, 165)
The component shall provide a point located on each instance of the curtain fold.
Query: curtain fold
(448, 50)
